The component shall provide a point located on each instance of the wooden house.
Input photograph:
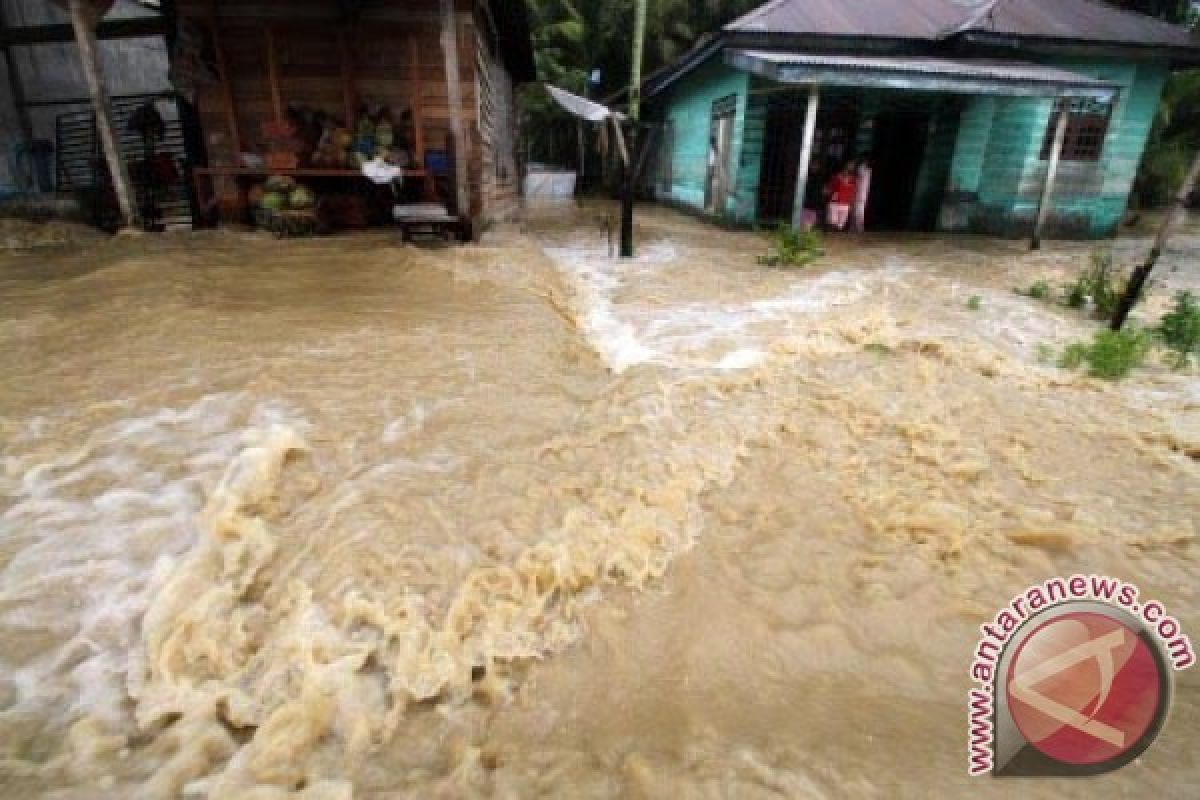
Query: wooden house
(440, 72)
(998, 118)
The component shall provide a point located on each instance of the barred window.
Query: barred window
(1087, 127)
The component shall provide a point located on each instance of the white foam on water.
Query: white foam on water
(94, 529)
(725, 336)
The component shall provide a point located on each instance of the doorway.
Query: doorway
(899, 150)
(719, 182)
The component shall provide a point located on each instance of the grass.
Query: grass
(974, 303)
(1179, 329)
(793, 248)
(1110, 355)
(1038, 290)
(878, 348)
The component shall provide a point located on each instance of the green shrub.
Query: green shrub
(1077, 294)
(793, 248)
(975, 303)
(1180, 329)
(1110, 355)
(1100, 284)
(1040, 290)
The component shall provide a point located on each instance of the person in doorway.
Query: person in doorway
(862, 179)
(840, 192)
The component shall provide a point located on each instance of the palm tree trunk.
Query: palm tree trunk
(1137, 281)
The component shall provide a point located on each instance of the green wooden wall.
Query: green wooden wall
(982, 169)
(689, 108)
(997, 171)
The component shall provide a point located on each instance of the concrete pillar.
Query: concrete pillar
(806, 148)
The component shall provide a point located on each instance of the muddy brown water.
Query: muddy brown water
(339, 518)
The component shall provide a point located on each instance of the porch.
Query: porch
(770, 127)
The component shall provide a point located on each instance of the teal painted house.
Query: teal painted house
(976, 118)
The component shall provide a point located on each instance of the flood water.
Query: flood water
(339, 518)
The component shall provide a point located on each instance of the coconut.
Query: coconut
(302, 197)
(280, 183)
(274, 201)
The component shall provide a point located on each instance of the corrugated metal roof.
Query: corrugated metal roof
(906, 19)
(999, 77)
(1082, 20)
(976, 68)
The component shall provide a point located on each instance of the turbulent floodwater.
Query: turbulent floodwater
(339, 518)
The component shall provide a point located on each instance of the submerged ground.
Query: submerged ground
(341, 518)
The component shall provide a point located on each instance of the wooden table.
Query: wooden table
(203, 175)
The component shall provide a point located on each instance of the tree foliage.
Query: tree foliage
(574, 37)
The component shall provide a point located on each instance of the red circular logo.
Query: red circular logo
(1084, 688)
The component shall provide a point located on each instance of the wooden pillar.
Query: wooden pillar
(230, 109)
(15, 85)
(454, 98)
(83, 21)
(273, 75)
(806, 148)
(1043, 211)
(416, 101)
(346, 61)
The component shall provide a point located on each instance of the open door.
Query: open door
(719, 183)
(900, 139)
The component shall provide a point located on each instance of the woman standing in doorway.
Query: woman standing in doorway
(840, 191)
(862, 192)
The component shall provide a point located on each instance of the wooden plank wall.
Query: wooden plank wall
(381, 48)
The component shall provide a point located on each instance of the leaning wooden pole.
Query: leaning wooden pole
(806, 151)
(83, 20)
(454, 98)
(1043, 210)
(1137, 281)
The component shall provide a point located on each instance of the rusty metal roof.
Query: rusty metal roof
(1072, 20)
(976, 76)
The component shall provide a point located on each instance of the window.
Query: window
(1087, 127)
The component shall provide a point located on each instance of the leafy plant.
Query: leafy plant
(975, 303)
(1045, 354)
(1038, 290)
(1110, 355)
(793, 248)
(1077, 294)
(1099, 283)
(1180, 328)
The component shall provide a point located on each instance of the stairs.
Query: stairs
(80, 167)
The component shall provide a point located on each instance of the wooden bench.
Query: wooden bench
(426, 219)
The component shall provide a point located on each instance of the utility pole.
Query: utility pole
(1137, 281)
(635, 103)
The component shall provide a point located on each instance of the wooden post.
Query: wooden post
(417, 104)
(83, 22)
(273, 75)
(1137, 281)
(806, 149)
(1043, 211)
(629, 177)
(230, 109)
(454, 98)
(14, 83)
(346, 62)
